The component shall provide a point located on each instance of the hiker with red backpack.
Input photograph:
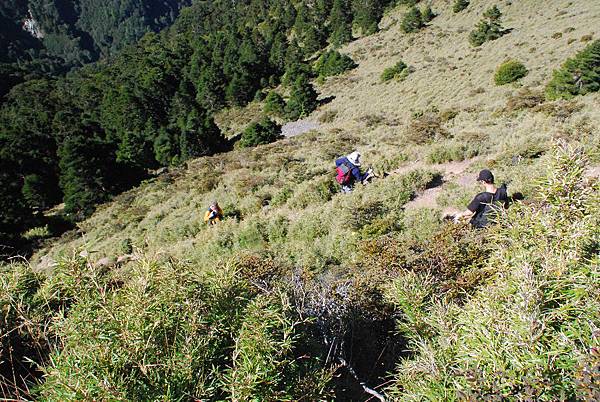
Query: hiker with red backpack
(485, 204)
(348, 171)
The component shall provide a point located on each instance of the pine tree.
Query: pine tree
(303, 98)
(340, 23)
(274, 104)
(15, 213)
(86, 165)
(460, 5)
(488, 29)
(278, 52)
(262, 132)
(367, 14)
(577, 76)
(412, 21)
(333, 63)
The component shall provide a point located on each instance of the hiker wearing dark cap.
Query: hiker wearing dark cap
(348, 171)
(486, 203)
(214, 214)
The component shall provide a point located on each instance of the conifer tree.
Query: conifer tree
(303, 98)
(460, 5)
(488, 29)
(577, 76)
(274, 104)
(86, 164)
(367, 14)
(14, 210)
(340, 23)
(412, 20)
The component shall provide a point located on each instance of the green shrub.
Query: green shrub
(488, 29)
(538, 300)
(274, 104)
(460, 5)
(412, 21)
(399, 71)
(427, 14)
(332, 63)
(449, 153)
(577, 76)
(510, 71)
(263, 132)
(163, 332)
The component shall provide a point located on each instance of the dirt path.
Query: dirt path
(451, 172)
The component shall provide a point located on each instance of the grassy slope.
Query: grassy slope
(165, 215)
(282, 202)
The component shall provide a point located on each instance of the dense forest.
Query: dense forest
(96, 132)
(47, 37)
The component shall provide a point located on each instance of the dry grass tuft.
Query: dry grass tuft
(426, 128)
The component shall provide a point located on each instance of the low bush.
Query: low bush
(541, 266)
(158, 331)
(526, 98)
(332, 63)
(399, 71)
(510, 71)
(577, 76)
(450, 152)
(425, 129)
(263, 132)
(427, 14)
(460, 5)
(488, 29)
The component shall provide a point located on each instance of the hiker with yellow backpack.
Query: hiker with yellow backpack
(213, 214)
(348, 171)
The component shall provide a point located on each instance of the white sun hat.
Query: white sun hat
(354, 158)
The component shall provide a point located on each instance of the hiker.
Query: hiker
(348, 171)
(486, 203)
(214, 214)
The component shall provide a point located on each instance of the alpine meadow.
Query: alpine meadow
(285, 200)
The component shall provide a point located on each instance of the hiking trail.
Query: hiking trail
(450, 171)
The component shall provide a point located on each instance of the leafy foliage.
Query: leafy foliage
(510, 71)
(577, 76)
(488, 29)
(427, 14)
(166, 334)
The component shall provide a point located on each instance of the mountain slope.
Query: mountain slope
(521, 299)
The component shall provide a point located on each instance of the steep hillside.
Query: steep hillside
(305, 293)
(41, 38)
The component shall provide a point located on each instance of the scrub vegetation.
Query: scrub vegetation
(304, 293)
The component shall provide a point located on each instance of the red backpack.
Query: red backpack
(343, 174)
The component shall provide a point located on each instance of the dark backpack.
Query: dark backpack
(499, 200)
(344, 174)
